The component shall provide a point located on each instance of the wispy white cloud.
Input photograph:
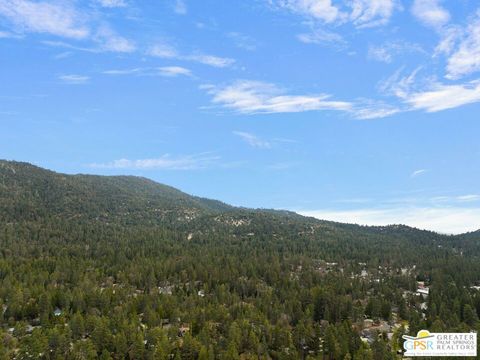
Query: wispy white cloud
(104, 42)
(321, 36)
(322, 10)
(167, 71)
(418, 172)
(253, 140)
(466, 57)
(180, 7)
(164, 162)
(256, 97)
(172, 71)
(211, 60)
(455, 199)
(369, 13)
(368, 109)
(108, 40)
(468, 198)
(441, 97)
(167, 51)
(386, 52)
(326, 17)
(398, 84)
(430, 13)
(65, 45)
(430, 95)
(361, 13)
(449, 36)
(449, 220)
(74, 79)
(123, 71)
(112, 3)
(461, 44)
(249, 97)
(59, 18)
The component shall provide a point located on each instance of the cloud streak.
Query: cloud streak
(468, 198)
(418, 173)
(253, 140)
(442, 97)
(428, 95)
(167, 51)
(173, 71)
(250, 97)
(257, 97)
(74, 79)
(164, 162)
(166, 71)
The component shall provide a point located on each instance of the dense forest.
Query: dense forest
(122, 267)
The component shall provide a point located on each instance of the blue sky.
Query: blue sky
(360, 111)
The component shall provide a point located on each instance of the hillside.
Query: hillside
(29, 192)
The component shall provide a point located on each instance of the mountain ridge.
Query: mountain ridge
(24, 186)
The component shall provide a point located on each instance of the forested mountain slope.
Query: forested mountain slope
(123, 267)
(30, 192)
